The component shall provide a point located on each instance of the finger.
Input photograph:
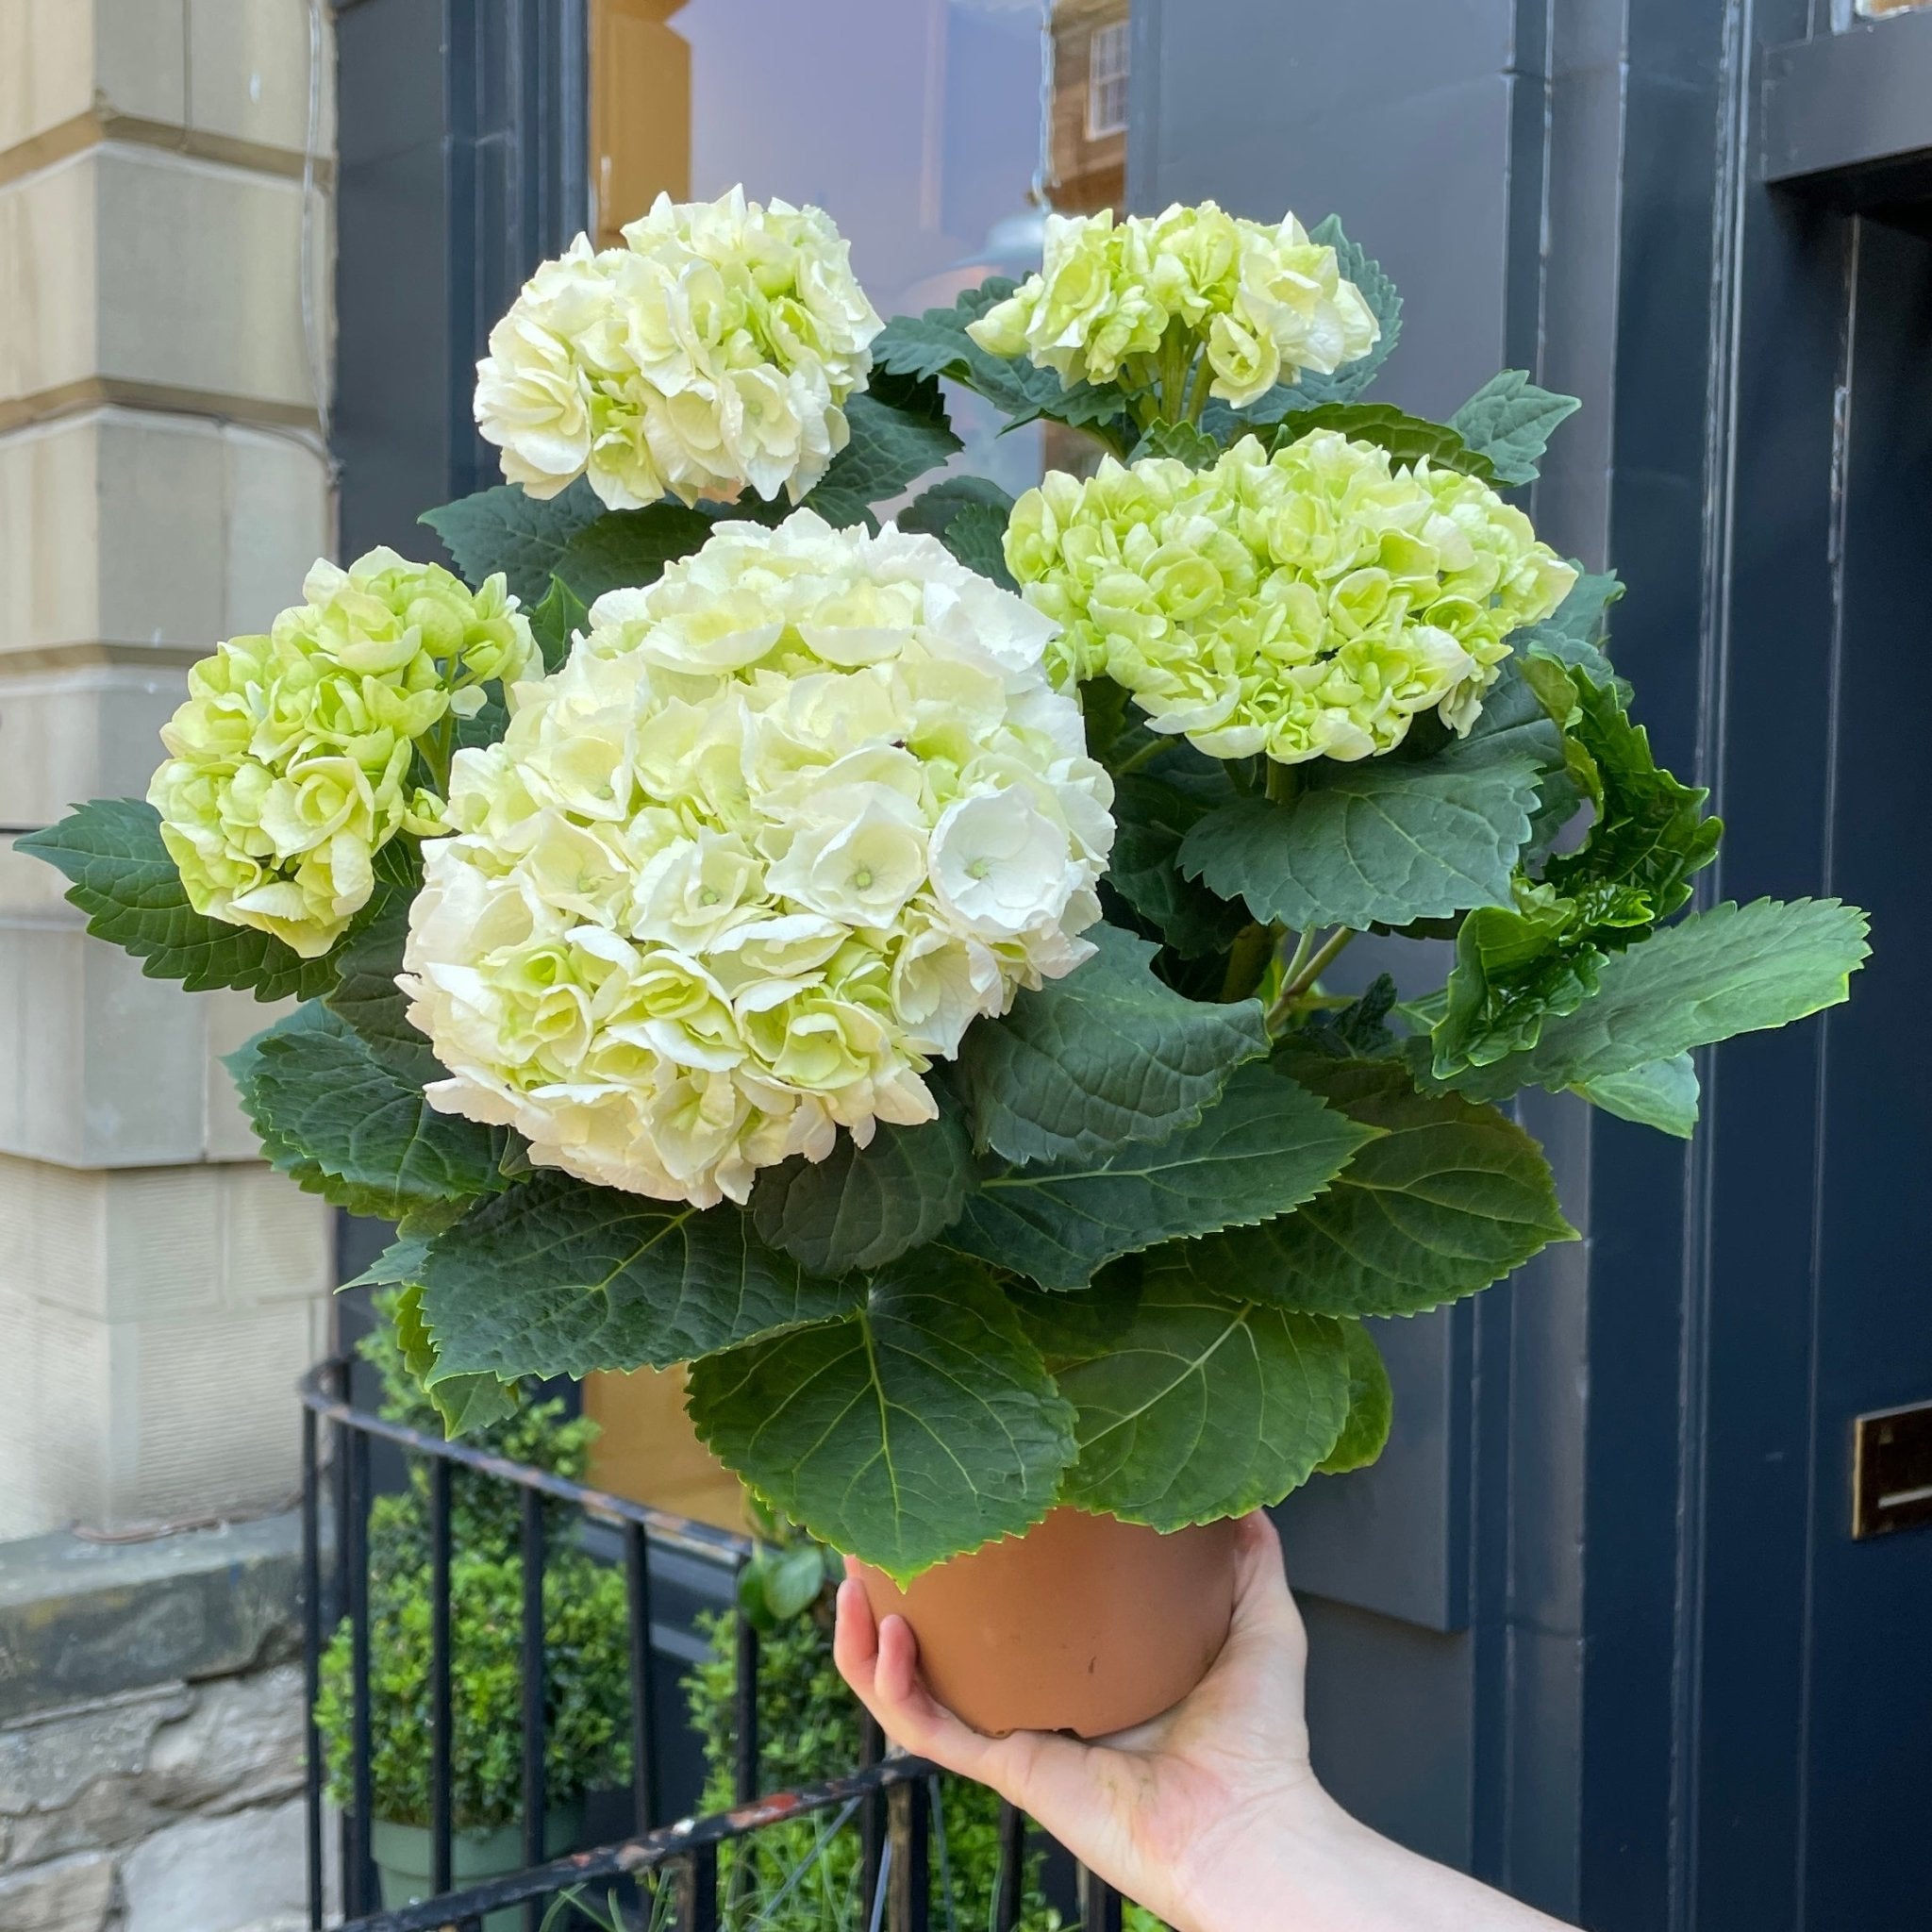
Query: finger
(1263, 1603)
(855, 1640)
(1040, 1772)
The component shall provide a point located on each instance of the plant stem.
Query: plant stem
(1326, 956)
(1147, 753)
(1247, 961)
(1197, 389)
(1284, 783)
(1304, 972)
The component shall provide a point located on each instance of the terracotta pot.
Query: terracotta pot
(1085, 1623)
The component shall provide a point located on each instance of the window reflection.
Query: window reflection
(935, 132)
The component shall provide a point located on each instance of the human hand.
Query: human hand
(1211, 1816)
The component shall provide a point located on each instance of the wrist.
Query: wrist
(1283, 1861)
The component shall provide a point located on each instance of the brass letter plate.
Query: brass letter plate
(1891, 1470)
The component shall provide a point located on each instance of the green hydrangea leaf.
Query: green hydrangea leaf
(967, 514)
(555, 621)
(1210, 1405)
(367, 996)
(1517, 967)
(1660, 1093)
(922, 1425)
(1262, 1148)
(506, 529)
(352, 1128)
(1068, 1328)
(1446, 1198)
(626, 549)
(1651, 833)
(937, 344)
(1510, 421)
(1371, 1406)
(1384, 841)
(1407, 439)
(122, 878)
(1181, 440)
(466, 1404)
(893, 443)
(863, 1207)
(1734, 968)
(1107, 1054)
(557, 1277)
(399, 1265)
(1573, 634)
(978, 536)
(1514, 722)
(1152, 817)
(932, 510)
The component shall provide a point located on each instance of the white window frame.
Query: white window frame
(1106, 80)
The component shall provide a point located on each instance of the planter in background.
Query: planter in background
(1085, 1623)
(403, 1861)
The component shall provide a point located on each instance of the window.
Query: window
(1106, 80)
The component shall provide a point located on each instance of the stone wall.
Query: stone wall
(165, 248)
(175, 1809)
(164, 171)
(151, 1733)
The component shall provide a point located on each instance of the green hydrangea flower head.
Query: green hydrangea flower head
(1113, 299)
(291, 761)
(1311, 603)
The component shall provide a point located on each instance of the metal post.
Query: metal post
(1012, 1891)
(747, 1768)
(533, 1694)
(442, 1727)
(910, 1809)
(311, 1658)
(697, 1892)
(872, 1817)
(358, 1879)
(643, 1725)
(1100, 1905)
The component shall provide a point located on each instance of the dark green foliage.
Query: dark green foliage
(124, 881)
(503, 529)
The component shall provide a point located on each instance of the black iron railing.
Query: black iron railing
(672, 1866)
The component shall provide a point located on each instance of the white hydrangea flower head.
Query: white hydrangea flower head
(784, 824)
(714, 350)
(290, 761)
(1309, 605)
(1262, 303)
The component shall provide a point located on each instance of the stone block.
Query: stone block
(82, 1620)
(157, 1320)
(47, 1760)
(143, 532)
(248, 73)
(79, 731)
(240, 1744)
(47, 66)
(100, 1066)
(153, 268)
(213, 1874)
(48, 237)
(75, 1894)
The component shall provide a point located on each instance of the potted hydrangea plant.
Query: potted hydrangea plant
(889, 967)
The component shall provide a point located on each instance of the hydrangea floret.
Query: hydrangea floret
(1189, 304)
(293, 759)
(714, 350)
(1311, 603)
(785, 823)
